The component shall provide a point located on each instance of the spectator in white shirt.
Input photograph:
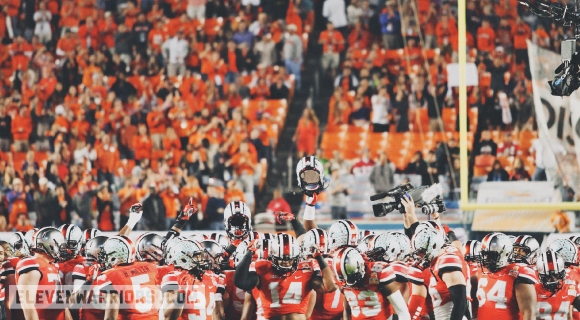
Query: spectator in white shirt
(381, 104)
(334, 11)
(293, 54)
(196, 9)
(175, 51)
(354, 12)
(42, 18)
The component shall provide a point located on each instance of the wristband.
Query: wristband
(309, 212)
(171, 234)
(321, 262)
(132, 221)
(218, 297)
(180, 224)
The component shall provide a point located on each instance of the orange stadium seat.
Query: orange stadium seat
(449, 118)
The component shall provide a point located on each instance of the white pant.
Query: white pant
(196, 12)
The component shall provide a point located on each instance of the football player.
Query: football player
(472, 255)
(388, 248)
(505, 290)
(556, 291)
(368, 287)
(38, 279)
(124, 279)
(447, 285)
(19, 249)
(284, 283)
(69, 256)
(326, 306)
(526, 250)
(190, 291)
(88, 234)
(238, 225)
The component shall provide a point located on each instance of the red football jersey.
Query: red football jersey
(200, 294)
(135, 284)
(65, 269)
(366, 302)
(259, 308)
(284, 295)
(495, 291)
(233, 310)
(421, 278)
(451, 260)
(49, 287)
(556, 306)
(94, 308)
(162, 271)
(573, 275)
(8, 270)
(328, 306)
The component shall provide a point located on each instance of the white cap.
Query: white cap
(59, 109)
(42, 181)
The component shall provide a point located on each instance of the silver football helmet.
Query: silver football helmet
(237, 220)
(213, 255)
(526, 250)
(349, 266)
(496, 249)
(116, 250)
(48, 240)
(149, 247)
(383, 247)
(73, 237)
(93, 247)
(551, 270)
(310, 175)
(18, 245)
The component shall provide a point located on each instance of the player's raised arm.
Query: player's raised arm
(325, 283)
(135, 214)
(244, 278)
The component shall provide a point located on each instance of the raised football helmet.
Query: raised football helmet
(383, 247)
(551, 270)
(237, 220)
(496, 249)
(187, 254)
(342, 233)
(526, 250)
(220, 238)
(73, 237)
(285, 255)
(567, 249)
(310, 175)
(48, 240)
(115, 251)
(315, 237)
(93, 247)
(349, 266)
(213, 255)
(149, 247)
(28, 236)
(18, 245)
(427, 245)
(472, 251)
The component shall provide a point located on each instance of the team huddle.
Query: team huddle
(342, 273)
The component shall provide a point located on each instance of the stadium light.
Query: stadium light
(464, 170)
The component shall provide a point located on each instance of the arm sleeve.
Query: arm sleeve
(231, 249)
(411, 231)
(298, 227)
(458, 296)
(451, 235)
(243, 278)
(398, 302)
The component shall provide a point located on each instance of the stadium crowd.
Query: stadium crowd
(107, 103)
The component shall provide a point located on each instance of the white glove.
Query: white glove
(135, 214)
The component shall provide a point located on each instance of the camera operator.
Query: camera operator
(411, 222)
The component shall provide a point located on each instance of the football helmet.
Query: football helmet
(383, 247)
(93, 247)
(364, 233)
(237, 220)
(349, 266)
(88, 234)
(551, 270)
(405, 249)
(187, 254)
(115, 251)
(310, 175)
(496, 249)
(512, 238)
(264, 249)
(73, 237)
(213, 255)
(472, 251)
(431, 225)
(28, 236)
(315, 237)
(167, 247)
(363, 243)
(240, 252)
(254, 235)
(567, 249)
(342, 233)
(48, 240)
(526, 250)
(149, 247)
(285, 255)
(18, 245)
(427, 245)
(220, 238)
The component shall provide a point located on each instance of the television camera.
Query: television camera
(428, 198)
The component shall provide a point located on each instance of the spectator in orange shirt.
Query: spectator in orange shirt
(142, 144)
(245, 165)
(333, 43)
(171, 202)
(21, 129)
(89, 34)
(156, 124)
(445, 32)
(542, 37)
(306, 136)
(171, 146)
(521, 33)
(234, 193)
(485, 37)
(107, 160)
(67, 44)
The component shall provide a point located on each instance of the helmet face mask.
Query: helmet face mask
(73, 241)
(286, 255)
(551, 270)
(525, 250)
(48, 240)
(115, 251)
(238, 226)
(349, 267)
(149, 247)
(496, 250)
(18, 245)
